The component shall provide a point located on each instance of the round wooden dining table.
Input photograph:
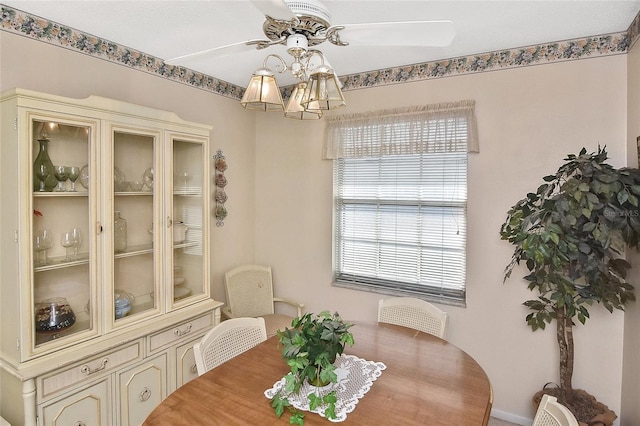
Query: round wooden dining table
(427, 381)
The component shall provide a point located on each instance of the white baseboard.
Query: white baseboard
(503, 415)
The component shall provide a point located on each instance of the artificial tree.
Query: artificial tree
(571, 234)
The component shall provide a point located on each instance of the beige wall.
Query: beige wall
(529, 119)
(630, 413)
(280, 193)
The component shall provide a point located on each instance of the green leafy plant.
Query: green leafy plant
(310, 347)
(571, 234)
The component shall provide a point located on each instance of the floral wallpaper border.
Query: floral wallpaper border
(24, 24)
(609, 44)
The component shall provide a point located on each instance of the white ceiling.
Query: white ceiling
(167, 29)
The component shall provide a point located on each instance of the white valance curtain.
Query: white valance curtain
(445, 127)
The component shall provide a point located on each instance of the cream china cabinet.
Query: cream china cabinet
(104, 257)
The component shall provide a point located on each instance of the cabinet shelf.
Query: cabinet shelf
(185, 244)
(188, 191)
(60, 263)
(37, 194)
(83, 258)
(133, 193)
(137, 308)
(49, 336)
(135, 250)
(148, 248)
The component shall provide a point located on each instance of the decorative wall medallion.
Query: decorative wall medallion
(221, 181)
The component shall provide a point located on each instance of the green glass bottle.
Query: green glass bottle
(43, 173)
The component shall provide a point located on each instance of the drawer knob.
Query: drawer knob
(194, 368)
(145, 394)
(182, 332)
(79, 423)
(88, 370)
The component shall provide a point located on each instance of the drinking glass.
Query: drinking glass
(62, 176)
(184, 179)
(68, 243)
(147, 177)
(43, 242)
(42, 172)
(74, 173)
(77, 241)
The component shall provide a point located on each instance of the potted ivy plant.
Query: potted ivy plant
(310, 348)
(571, 234)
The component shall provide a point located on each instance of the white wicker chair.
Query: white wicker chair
(249, 291)
(551, 413)
(226, 340)
(413, 313)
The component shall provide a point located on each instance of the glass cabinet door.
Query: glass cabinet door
(188, 219)
(62, 231)
(132, 233)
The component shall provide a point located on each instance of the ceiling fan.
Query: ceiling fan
(304, 23)
(300, 25)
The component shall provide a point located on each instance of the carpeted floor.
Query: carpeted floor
(497, 422)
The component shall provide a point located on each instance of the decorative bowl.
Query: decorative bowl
(54, 314)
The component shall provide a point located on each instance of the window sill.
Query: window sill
(401, 293)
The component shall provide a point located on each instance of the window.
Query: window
(400, 200)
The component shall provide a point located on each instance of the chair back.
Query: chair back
(413, 313)
(249, 291)
(551, 413)
(227, 340)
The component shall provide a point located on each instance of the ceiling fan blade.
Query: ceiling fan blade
(276, 9)
(215, 52)
(409, 33)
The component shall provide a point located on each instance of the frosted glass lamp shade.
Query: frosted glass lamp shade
(295, 109)
(262, 93)
(323, 90)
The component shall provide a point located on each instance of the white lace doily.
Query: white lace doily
(355, 377)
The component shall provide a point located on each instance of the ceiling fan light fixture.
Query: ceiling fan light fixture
(295, 109)
(323, 90)
(297, 45)
(262, 92)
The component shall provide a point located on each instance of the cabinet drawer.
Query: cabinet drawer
(180, 332)
(186, 363)
(87, 370)
(90, 406)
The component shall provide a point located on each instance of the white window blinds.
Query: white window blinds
(400, 209)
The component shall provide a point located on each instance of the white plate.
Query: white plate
(84, 176)
(180, 293)
(178, 280)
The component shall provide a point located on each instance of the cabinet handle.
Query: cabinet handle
(182, 332)
(98, 228)
(194, 368)
(145, 394)
(79, 423)
(88, 370)
(169, 222)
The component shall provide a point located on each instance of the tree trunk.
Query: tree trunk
(565, 344)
